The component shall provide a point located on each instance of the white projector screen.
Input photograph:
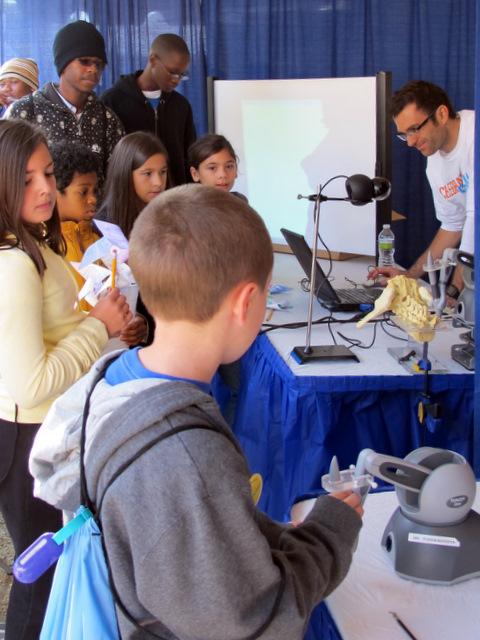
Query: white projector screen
(292, 135)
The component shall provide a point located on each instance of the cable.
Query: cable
(330, 261)
(323, 320)
(389, 323)
(357, 343)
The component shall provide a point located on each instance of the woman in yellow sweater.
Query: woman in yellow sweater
(45, 344)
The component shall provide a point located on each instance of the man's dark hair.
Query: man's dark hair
(167, 43)
(69, 157)
(425, 95)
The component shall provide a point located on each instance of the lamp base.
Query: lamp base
(303, 355)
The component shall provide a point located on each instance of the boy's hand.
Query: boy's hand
(113, 311)
(351, 499)
(135, 333)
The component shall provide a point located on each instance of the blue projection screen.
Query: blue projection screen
(292, 135)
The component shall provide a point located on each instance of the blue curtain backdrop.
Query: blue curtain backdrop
(258, 39)
(476, 438)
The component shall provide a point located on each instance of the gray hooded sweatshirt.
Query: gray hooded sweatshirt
(191, 556)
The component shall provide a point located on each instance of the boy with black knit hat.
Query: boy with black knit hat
(70, 110)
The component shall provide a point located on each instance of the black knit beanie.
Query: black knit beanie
(75, 40)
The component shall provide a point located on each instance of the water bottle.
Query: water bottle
(386, 247)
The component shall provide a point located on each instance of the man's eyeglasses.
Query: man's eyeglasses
(173, 76)
(413, 131)
(88, 62)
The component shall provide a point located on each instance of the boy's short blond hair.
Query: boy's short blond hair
(191, 246)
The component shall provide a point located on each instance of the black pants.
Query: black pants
(26, 519)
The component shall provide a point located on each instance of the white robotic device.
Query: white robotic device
(434, 535)
(439, 272)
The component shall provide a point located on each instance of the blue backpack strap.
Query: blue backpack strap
(84, 499)
(87, 503)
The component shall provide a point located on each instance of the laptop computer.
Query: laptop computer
(330, 298)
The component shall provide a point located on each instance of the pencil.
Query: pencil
(114, 267)
(403, 625)
(269, 315)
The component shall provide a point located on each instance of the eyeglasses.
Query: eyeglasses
(88, 62)
(413, 131)
(173, 76)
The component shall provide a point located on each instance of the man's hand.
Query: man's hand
(386, 272)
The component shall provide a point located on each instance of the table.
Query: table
(360, 605)
(291, 419)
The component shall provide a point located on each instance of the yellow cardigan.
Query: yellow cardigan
(45, 344)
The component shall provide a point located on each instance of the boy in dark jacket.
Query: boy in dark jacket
(147, 101)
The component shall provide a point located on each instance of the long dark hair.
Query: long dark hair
(121, 205)
(18, 141)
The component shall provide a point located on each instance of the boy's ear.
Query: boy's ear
(195, 174)
(242, 300)
(152, 59)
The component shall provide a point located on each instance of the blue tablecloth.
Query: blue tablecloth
(290, 427)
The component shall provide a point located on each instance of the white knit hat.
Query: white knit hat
(24, 69)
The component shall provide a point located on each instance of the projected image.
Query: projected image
(278, 138)
(292, 135)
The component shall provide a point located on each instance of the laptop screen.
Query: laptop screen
(297, 243)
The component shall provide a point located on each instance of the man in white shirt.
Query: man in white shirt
(426, 120)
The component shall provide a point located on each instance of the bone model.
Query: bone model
(407, 300)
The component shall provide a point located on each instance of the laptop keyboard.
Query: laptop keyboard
(355, 295)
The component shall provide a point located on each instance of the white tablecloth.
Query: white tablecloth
(361, 605)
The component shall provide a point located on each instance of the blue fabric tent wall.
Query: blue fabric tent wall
(476, 443)
(252, 39)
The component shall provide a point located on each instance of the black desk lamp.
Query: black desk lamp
(360, 190)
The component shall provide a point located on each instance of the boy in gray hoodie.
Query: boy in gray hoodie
(191, 556)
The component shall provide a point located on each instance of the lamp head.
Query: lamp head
(361, 189)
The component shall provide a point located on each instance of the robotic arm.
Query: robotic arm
(439, 272)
